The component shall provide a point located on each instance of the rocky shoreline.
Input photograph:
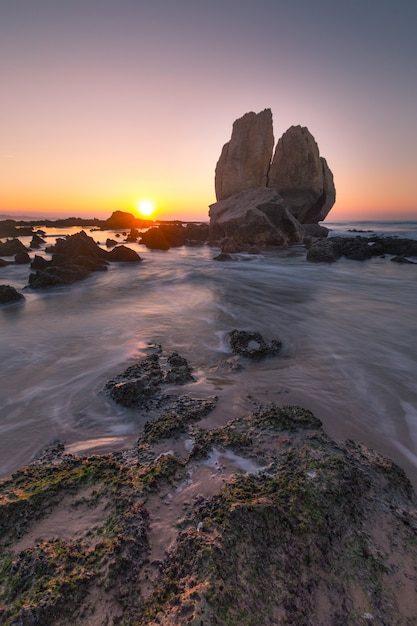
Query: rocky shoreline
(76, 256)
(264, 515)
(263, 519)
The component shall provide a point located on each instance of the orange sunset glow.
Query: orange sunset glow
(108, 105)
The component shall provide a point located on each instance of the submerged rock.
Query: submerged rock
(9, 294)
(251, 344)
(223, 256)
(402, 259)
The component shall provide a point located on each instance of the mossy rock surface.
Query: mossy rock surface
(319, 533)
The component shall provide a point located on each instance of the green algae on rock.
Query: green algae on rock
(322, 533)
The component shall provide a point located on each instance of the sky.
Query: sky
(104, 103)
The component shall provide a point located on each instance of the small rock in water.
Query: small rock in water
(9, 294)
(251, 344)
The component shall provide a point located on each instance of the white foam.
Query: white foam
(243, 464)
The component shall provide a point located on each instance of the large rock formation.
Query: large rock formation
(245, 159)
(254, 218)
(299, 177)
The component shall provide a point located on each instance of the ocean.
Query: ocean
(348, 331)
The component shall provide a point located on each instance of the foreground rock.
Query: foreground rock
(74, 258)
(299, 176)
(290, 526)
(144, 385)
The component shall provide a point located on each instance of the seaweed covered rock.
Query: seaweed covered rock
(268, 533)
(274, 542)
(80, 534)
(180, 371)
(144, 384)
(138, 383)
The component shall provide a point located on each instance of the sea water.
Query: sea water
(348, 331)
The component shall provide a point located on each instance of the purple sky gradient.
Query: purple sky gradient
(104, 102)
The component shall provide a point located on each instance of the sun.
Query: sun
(145, 207)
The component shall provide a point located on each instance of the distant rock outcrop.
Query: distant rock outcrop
(361, 248)
(123, 219)
(297, 175)
(74, 258)
(12, 247)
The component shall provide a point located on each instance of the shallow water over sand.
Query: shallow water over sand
(348, 329)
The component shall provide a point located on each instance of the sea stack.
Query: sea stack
(301, 177)
(245, 159)
(261, 194)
